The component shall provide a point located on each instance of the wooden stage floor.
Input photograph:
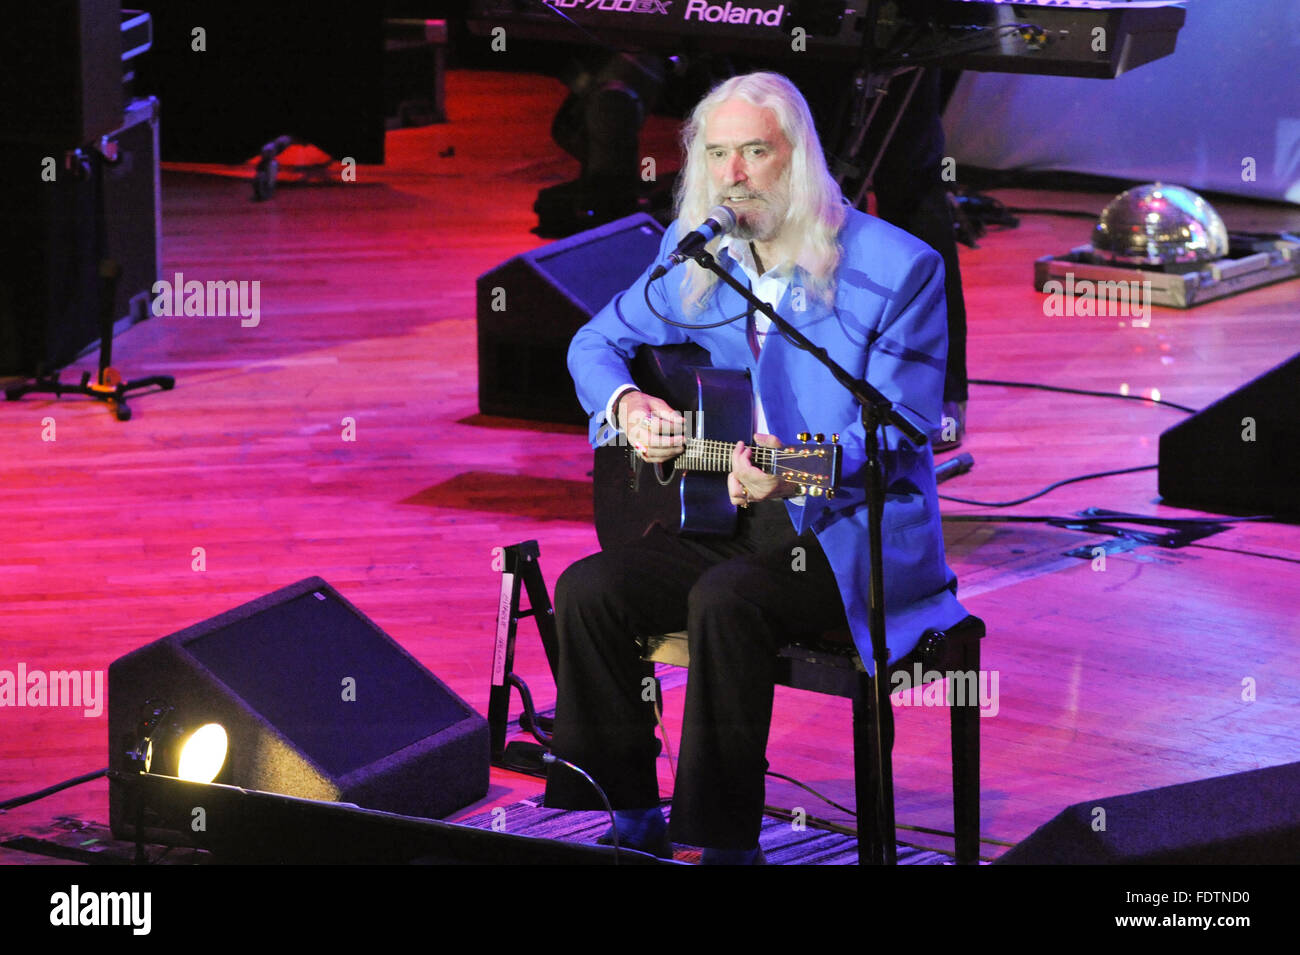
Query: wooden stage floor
(1110, 681)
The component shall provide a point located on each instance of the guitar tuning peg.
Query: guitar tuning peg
(816, 491)
(835, 439)
(803, 436)
(819, 437)
(830, 492)
(803, 488)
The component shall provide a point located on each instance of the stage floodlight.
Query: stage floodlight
(203, 754)
(295, 693)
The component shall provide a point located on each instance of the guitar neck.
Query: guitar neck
(706, 454)
(815, 469)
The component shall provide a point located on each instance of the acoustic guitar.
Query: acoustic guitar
(688, 495)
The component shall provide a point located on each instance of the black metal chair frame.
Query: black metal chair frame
(832, 666)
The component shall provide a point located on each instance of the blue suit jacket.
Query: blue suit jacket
(888, 325)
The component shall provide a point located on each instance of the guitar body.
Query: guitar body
(630, 495)
(689, 494)
(723, 411)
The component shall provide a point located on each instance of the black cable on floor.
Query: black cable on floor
(1083, 477)
(17, 801)
(1050, 487)
(549, 758)
(1079, 391)
(1248, 553)
(1111, 517)
(1072, 213)
(804, 786)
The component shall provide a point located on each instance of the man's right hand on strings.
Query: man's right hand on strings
(654, 429)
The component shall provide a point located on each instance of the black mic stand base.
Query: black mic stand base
(522, 756)
(109, 386)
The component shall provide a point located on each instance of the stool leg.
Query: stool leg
(966, 767)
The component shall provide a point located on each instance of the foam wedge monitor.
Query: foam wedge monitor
(530, 306)
(1247, 818)
(315, 701)
(1240, 455)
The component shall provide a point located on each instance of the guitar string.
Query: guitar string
(711, 454)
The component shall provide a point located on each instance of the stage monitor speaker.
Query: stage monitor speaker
(49, 266)
(316, 701)
(61, 72)
(1240, 455)
(1244, 819)
(530, 306)
(246, 827)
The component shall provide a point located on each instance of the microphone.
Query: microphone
(721, 220)
(953, 467)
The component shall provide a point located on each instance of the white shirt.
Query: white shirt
(770, 287)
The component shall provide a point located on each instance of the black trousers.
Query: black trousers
(741, 599)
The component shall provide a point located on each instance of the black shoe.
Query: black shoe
(661, 846)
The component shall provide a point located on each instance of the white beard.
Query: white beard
(761, 220)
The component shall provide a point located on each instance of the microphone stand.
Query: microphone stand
(877, 410)
(108, 385)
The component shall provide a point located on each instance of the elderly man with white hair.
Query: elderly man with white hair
(873, 297)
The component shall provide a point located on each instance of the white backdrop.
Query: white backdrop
(1230, 93)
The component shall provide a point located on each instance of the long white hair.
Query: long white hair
(816, 211)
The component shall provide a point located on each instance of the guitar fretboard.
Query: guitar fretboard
(803, 466)
(706, 454)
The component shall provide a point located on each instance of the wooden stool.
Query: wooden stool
(831, 665)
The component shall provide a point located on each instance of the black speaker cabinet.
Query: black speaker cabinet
(1240, 455)
(60, 71)
(317, 702)
(49, 291)
(246, 827)
(1243, 819)
(530, 306)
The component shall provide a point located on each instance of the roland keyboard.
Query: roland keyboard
(1088, 38)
